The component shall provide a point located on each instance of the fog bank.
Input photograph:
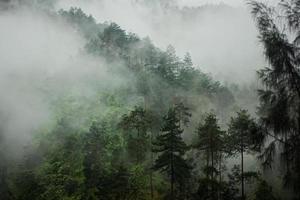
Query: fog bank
(222, 39)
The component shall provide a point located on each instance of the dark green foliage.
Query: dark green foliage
(211, 141)
(61, 172)
(26, 182)
(243, 133)
(82, 22)
(94, 160)
(264, 191)
(137, 124)
(279, 110)
(98, 152)
(183, 113)
(226, 191)
(172, 149)
(235, 177)
(5, 192)
(113, 43)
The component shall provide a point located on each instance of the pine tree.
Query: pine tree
(59, 174)
(171, 149)
(211, 141)
(137, 123)
(280, 109)
(243, 132)
(183, 114)
(187, 60)
(264, 191)
(95, 142)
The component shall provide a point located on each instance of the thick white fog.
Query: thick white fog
(221, 38)
(41, 57)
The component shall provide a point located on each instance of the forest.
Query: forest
(92, 111)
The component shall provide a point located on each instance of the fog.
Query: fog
(42, 55)
(221, 38)
(42, 60)
(47, 74)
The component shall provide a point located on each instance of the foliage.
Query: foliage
(211, 141)
(172, 148)
(244, 133)
(137, 124)
(279, 110)
(100, 147)
(264, 191)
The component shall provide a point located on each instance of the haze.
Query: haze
(221, 38)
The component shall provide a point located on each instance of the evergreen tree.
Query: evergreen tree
(264, 191)
(187, 60)
(137, 123)
(187, 74)
(26, 185)
(118, 184)
(280, 109)
(171, 149)
(61, 174)
(243, 132)
(94, 160)
(183, 113)
(211, 141)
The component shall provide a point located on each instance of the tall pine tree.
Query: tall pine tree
(137, 124)
(171, 149)
(279, 32)
(243, 132)
(211, 141)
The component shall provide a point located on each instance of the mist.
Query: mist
(135, 99)
(221, 38)
(43, 61)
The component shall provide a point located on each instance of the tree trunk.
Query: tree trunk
(220, 174)
(212, 165)
(207, 162)
(242, 168)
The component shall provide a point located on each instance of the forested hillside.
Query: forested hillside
(90, 111)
